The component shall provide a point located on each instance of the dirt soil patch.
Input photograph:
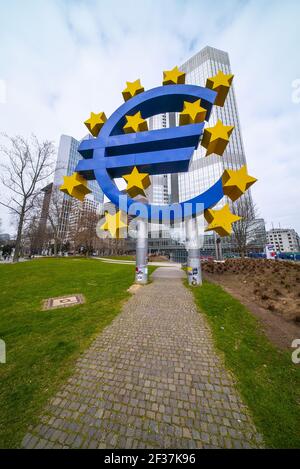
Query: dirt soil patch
(270, 289)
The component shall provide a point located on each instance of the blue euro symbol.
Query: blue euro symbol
(113, 153)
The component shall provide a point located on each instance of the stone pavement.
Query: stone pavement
(151, 379)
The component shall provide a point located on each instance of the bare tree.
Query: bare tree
(244, 229)
(29, 163)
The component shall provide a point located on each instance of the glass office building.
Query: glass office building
(67, 159)
(159, 191)
(203, 171)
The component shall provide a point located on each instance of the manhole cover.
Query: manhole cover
(63, 301)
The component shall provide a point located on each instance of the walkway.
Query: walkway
(151, 379)
(108, 260)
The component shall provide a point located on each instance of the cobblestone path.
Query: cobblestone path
(151, 379)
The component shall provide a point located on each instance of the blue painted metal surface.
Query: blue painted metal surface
(114, 153)
(155, 152)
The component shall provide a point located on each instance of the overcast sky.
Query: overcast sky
(60, 59)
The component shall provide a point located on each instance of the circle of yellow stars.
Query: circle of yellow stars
(115, 223)
(220, 220)
(214, 139)
(75, 186)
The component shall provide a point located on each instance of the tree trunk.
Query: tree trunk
(19, 236)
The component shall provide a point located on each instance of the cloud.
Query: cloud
(263, 46)
(62, 59)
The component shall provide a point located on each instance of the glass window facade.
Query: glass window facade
(203, 171)
(67, 159)
(158, 192)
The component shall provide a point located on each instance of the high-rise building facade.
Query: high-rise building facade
(82, 224)
(203, 171)
(42, 227)
(67, 159)
(159, 191)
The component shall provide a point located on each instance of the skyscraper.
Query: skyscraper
(203, 171)
(67, 159)
(159, 190)
(47, 190)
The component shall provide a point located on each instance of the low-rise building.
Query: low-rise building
(284, 239)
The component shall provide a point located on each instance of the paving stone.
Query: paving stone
(151, 379)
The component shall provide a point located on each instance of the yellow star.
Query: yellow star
(220, 220)
(220, 83)
(135, 123)
(173, 77)
(114, 223)
(235, 183)
(137, 182)
(95, 123)
(215, 139)
(192, 113)
(75, 186)
(133, 88)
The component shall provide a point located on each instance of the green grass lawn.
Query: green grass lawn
(266, 377)
(42, 346)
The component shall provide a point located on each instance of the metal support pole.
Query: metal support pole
(218, 245)
(141, 269)
(192, 245)
(220, 253)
